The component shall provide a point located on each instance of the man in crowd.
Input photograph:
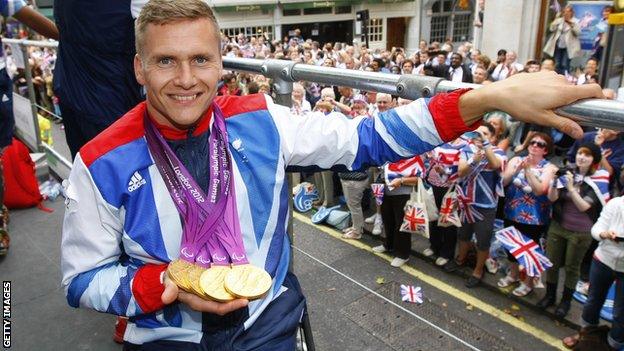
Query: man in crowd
(458, 72)
(118, 239)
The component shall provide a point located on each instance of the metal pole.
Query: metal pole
(31, 95)
(590, 112)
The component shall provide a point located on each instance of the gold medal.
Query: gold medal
(248, 282)
(178, 272)
(194, 273)
(211, 283)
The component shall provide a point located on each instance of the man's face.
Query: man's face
(180, 68)
(532, 68)
(383, 103)
(456, 60)
(375, 66)
(407, 68)
(441, 59)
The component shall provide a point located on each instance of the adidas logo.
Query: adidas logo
(136, 182)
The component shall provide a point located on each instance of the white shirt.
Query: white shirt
(457, 74)
(609, 252)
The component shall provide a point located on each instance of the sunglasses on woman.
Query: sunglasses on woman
(540, 144)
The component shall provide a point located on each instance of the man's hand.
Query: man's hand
(531, 98)
(172, 293)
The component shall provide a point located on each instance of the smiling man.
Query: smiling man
(136, 196)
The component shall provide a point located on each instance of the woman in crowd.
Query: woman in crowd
(527, 207)
(577, 202)
(606, 268)
(564, 43)
(396, 194)
(499, 122)
(442, 175)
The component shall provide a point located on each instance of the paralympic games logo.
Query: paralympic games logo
(186, 254)
(202, 260)
(236, 257)
(218, 258)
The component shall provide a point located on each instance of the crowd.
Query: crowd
(552, 188)
(547, 185)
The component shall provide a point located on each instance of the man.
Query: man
(507, 68)
(122, 227)
(458, 72)
(383, 102)
(407, 67)
(93, 77)
(33, 19)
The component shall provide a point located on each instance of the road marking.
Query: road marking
(457, 293)
(389, 301)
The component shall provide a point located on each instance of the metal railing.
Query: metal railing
(590, 112)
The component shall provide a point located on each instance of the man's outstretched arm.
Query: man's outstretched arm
(37, 22)
(531, 98)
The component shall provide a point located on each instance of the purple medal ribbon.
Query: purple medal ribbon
(211, 230)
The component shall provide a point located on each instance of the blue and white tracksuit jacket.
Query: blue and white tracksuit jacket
(121, 222)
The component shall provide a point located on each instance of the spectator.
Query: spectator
(527, 207)
(458, 72)
(407, 67)
(230, 85)
(575, 209)
(300, 106)
(396, 195)
(359, 106)
(442, 175)
(564, 43)
(607, 268)
(480, 165)
(600, 42)
(501, 56)
(506, 68)
(498, 120)
(532, 66)
(590, 70)
(548, 64)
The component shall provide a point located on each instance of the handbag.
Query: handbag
(338, 219)
(449, 214)
(429, 200)
(415, 219)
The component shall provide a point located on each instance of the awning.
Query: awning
(293, 4)
(243, 5)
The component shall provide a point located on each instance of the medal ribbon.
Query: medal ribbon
(211, 228)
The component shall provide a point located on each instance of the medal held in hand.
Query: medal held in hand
(211, 240)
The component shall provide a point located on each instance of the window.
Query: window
(342, 9)
(317, 10)
(449, 20)
(292, 12)
(375, 29)
(249, 31)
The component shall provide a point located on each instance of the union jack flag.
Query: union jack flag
(526, 251)
(410, 293)
(414, 220)
(528, 200)
(411, 167)
(526, 217)
(467, 212)
(378, 192)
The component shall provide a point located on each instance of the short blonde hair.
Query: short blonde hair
(166, 11)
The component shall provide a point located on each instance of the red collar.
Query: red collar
(171, 133)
